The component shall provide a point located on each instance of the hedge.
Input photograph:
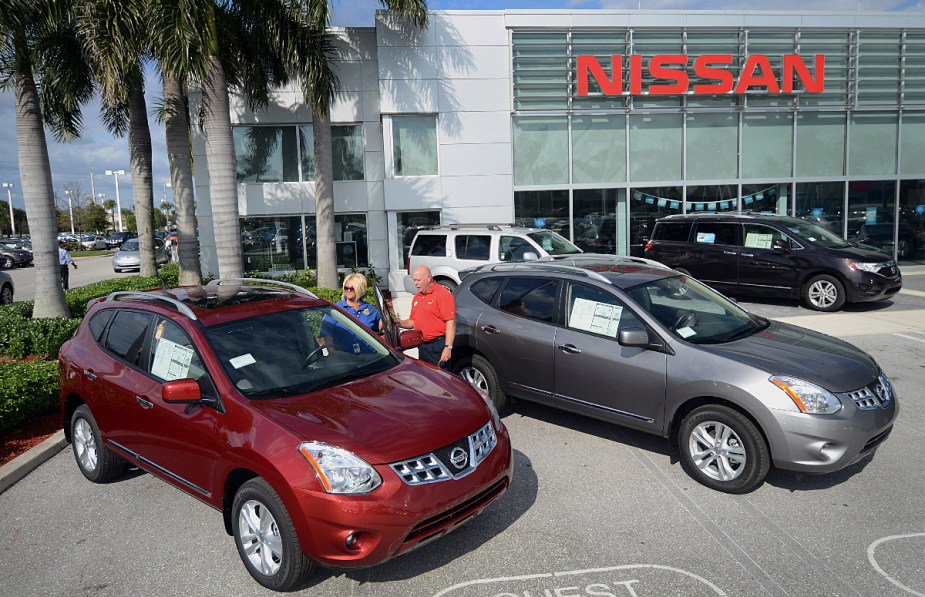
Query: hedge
(28, 390)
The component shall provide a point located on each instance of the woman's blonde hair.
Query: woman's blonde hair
(358, 281)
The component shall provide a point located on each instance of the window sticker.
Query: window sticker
(242, 361)
(597, 318)
(758, 240)
(706, 237)
(686, 332)
(171, 360)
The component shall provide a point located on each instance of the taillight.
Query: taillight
(649, 245)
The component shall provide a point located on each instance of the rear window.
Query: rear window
(429, 245)
(673, 231)
(127, 335)
(530, 297)
(485, 289)
(716, 233)
(471, 246)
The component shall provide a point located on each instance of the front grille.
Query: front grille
(888, 269)
(448, 519)
(876, 395)
(452, 461)
(876, 440)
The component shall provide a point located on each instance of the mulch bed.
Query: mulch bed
(31, 434)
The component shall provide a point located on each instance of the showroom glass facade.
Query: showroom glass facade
(601, 167)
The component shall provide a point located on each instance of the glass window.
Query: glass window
(414, 145)
(530, 297)
(598, 149)
(870, 204)
(716, 233)
(513, 248)
(431, 245)
(542, 209)
(409, 223)
(599, 220)
(757, 236)
(272, 243)
(821, 203)
(712, 146)
(912, 221)
(98, 323)
(655, 147)
(346, 152)
(127, 335)
(820, 143)
(540, 150)
(712, 198)
(673, 231)
(266, 154)
(873, 143)
(913, 145)
(485, 289)
(173, 355)
(767, 145)
(473, 246)
(647, 205)
(765, 197)
(350, 237)
(597, 312)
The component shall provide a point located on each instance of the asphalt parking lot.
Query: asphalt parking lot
(594, 510)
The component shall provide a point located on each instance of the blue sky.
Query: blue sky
(97, 150)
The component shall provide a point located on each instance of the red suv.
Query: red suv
(315, 440)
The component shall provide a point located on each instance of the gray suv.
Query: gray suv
(626, 341)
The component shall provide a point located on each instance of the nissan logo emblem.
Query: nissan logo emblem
(459, 458)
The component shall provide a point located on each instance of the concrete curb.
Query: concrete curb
(22, 465)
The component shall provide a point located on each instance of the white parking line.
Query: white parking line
(873, 561)
(910, 337)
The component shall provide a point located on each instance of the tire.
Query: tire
(737, 464)
(448, 284)
(480, 374)
(97, 462)
(7, 263)
(6, 295)
(824, 293)
(266, 538)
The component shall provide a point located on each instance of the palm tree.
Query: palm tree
(110, 205)
(36, 37)
(319, 86)
(114, 36)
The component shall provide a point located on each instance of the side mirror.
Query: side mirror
(181, 391)
(781, 244)
(530, 256)
(410, 339)
(634, 337)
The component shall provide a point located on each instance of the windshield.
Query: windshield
(816, 235)
(553, 243)
(297, 351)
(694, 312)
(129, 245)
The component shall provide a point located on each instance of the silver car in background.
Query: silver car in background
(129, 255)
(6, 288)
(621, 340)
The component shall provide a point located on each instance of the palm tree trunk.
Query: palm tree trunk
(139, 145)
(324, 199)
(35, 173)
(179, 154)
(223, 188)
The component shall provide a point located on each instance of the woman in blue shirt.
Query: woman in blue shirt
(353, 303)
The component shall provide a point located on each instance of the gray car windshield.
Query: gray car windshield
(297, 351)
(553, 243)
(694, 312)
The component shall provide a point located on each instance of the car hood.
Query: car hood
(862, 253)
(401, 413)
(784, 349)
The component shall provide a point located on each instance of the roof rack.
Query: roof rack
(150, 296)
(546, 265)
(457, 226)
(298, 289)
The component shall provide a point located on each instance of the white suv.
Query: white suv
(449, 249)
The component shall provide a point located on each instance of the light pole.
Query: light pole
(9, 197)
(70, 209)
(115, 174)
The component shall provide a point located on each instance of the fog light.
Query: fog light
(825, 452)
(351, 540)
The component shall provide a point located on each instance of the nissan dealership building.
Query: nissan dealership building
(593, 124)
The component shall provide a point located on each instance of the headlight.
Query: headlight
(865, 266)
(338, 470)
(808, 397)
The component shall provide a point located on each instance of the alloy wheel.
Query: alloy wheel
(260, 538)
(823, 294)
(85, 445)
(477, 380)
(717, 451)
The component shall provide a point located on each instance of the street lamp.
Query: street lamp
(9, 197)
(115, 174)
(70, 208)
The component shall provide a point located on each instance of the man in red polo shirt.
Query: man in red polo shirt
(433, 312)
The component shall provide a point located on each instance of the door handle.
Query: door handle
(729, 252)
(747, 254)
(89, 374)
(490, 329)
(570, 348)
(144, 403)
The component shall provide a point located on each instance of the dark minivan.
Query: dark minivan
(773, 256)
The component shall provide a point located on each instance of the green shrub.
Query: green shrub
(28, 390)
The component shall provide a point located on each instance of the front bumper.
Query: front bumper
(873, 287)
(827, 443)
(396, 517)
